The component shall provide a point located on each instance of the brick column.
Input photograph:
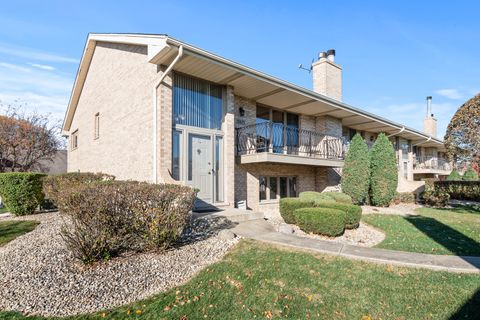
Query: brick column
(229, 147)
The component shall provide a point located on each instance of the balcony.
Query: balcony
(430, 164)
(279, 143)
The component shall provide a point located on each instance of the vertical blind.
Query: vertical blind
(197, 103)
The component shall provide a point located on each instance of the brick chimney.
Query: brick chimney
(430, 123)
(327, 75)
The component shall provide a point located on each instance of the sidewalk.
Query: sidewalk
(261, 230)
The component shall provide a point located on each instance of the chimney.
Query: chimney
(327, 75)
(430, 123)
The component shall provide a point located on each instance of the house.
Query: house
(153, 108)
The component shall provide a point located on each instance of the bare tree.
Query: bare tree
(26, 139)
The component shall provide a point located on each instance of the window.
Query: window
(97, 126)
(272, 188)
(176, 140)
(197, 103)
(74, 140)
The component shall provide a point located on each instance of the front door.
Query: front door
(200, 166)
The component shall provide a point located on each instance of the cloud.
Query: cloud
(33, 54)
(42, 66)
(14, 67)
(453, 94)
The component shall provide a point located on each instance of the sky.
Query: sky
(393, 53)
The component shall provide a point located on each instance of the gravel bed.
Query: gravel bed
(38, 275)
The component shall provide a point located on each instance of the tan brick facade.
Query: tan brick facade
(119, 88)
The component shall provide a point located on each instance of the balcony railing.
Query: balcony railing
(283, 139)
(433, 163)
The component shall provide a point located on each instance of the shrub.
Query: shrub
(454, 175)
(339, 197)
(353, 213)
(58, 187)
(324, 221)
(109, 218)
(435, 198)
(383, 169)
(404, 197)
(460, 190)
(356, 170)
(21, 191)
(429, 183)
(289, 205)
(470, 175)
(315, 196)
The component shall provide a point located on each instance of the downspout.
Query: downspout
(394, 134)
(155, 109)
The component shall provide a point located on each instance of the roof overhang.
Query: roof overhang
(248, 83)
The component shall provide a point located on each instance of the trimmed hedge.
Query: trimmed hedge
(384, 175)
(353, 213)
(436, 198)
(21, 191)
(460, 190)
(339, 197)
(289, 205)
(324, 221)
(110, 218)
(58, 187)
(404, 197)
(356, 170)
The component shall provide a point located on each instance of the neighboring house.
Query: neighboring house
(152, 108)
(56, 165)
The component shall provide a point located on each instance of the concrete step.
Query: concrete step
(234, 215)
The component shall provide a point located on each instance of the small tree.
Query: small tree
(454, 175)
(356, 171)
(470, 175)
(383, 172)
(26, 139)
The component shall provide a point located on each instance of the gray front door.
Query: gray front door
(201, 166)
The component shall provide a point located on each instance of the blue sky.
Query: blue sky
(393, 54)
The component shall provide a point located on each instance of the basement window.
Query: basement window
(274, 188)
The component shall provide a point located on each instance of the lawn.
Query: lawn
(453, 231)
(3, 210)
(261, 281)
(9, 230)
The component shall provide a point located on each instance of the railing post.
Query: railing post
(270, 139)
(310, 142)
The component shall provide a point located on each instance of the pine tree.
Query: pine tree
(356, 171)
(454, 176)
(383, 172)
(470, 175)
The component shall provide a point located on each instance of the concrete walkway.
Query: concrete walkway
(261, 230)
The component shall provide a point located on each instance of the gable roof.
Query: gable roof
(247, 82)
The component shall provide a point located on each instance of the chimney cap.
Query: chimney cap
(429, 98)
(331, 52)
(322, 54)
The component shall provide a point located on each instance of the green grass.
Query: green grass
(3, 210)
(261, 281)
(9, 230)
(453, 231)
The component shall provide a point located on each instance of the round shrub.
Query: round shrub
(289, 205)
(324, 221)
(315, 196)
(436, 198)
(383, 169)
(356, 170)
(21, 191)
(339, 197)
(353, 213)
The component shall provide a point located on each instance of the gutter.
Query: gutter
(155, 109)
(394, 134)
(422, 142)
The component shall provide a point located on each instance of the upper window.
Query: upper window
(74, 140)
(97, 126)
(197, 103)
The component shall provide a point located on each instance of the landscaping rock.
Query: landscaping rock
(38, 275)
(226, 235)
(286, 228)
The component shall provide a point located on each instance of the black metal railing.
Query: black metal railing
(283, 139)
(430, 162)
